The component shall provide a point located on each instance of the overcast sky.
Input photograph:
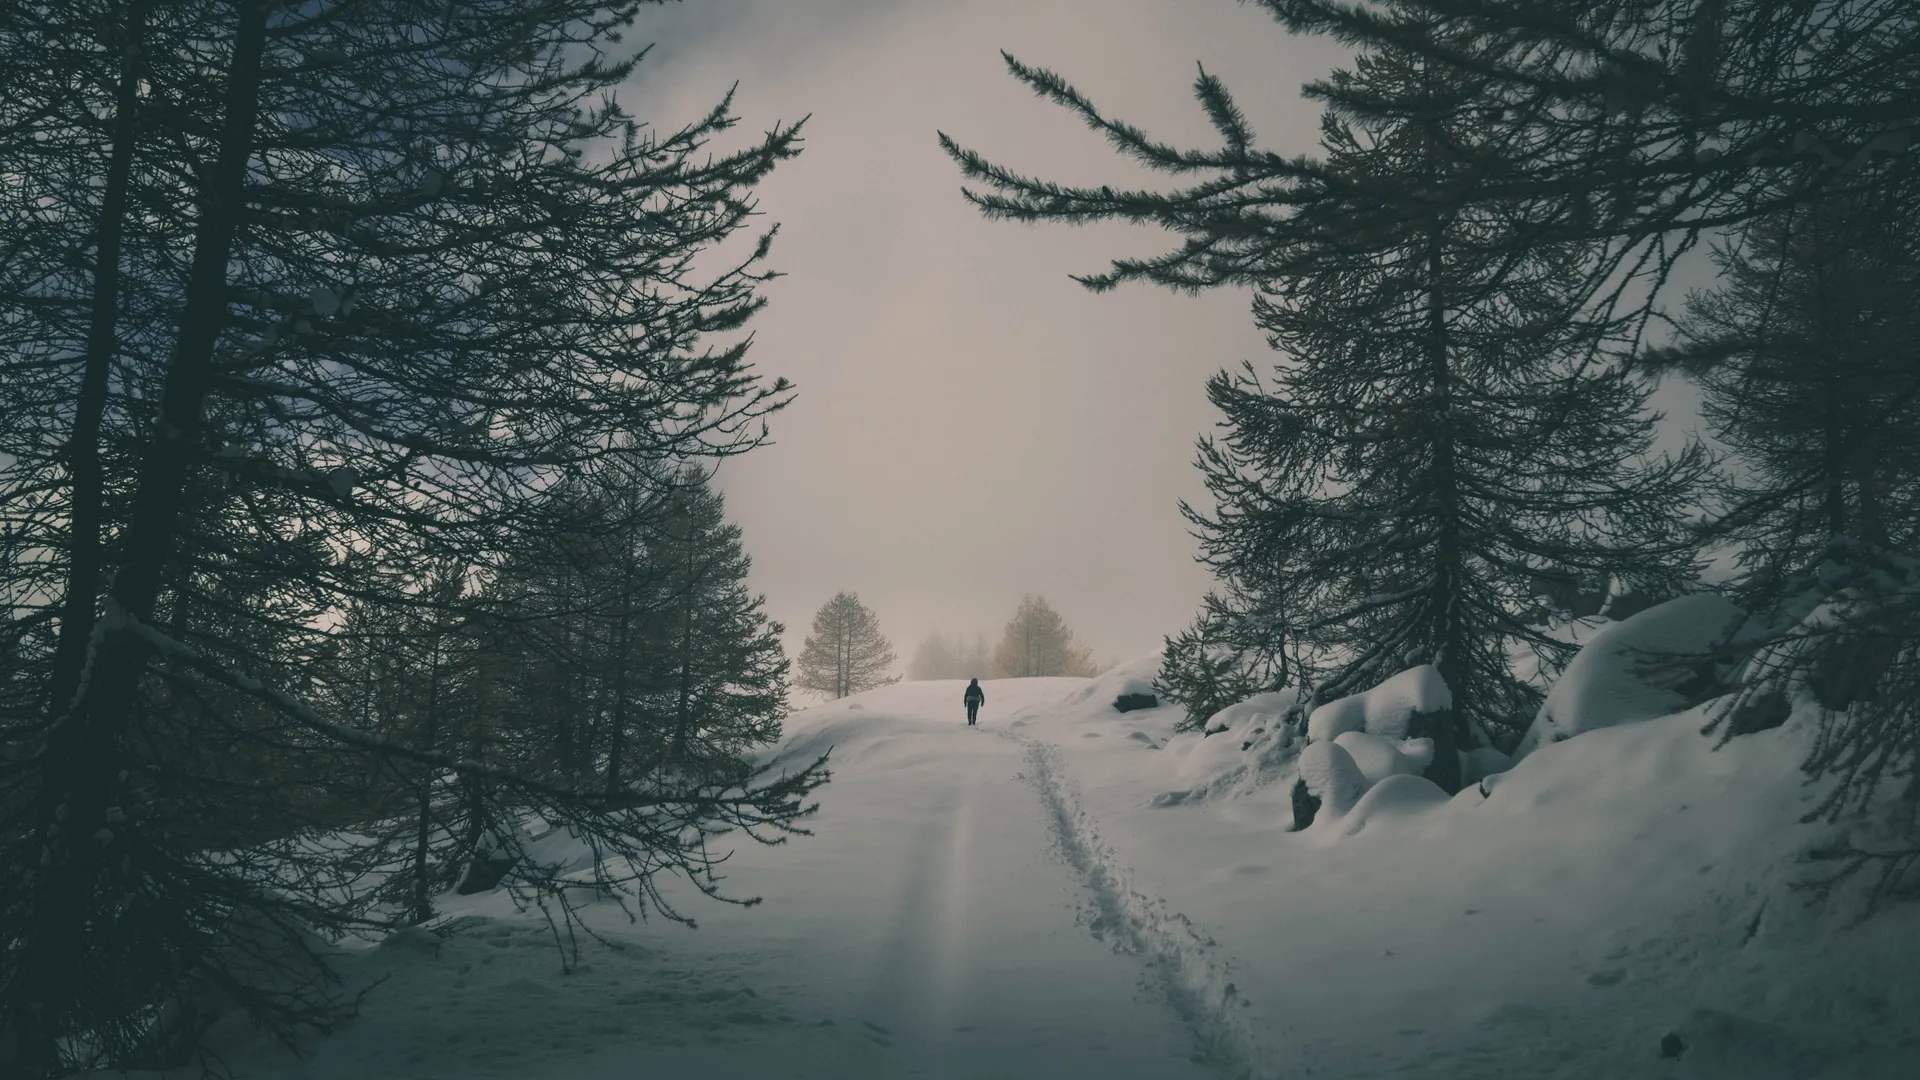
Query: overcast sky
(971, 424)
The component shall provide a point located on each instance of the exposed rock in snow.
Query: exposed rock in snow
(1134, 678)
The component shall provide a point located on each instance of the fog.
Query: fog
(972, 425)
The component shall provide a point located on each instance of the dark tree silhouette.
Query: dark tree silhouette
(387, 274)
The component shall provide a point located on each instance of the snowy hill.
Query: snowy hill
(1071, 891)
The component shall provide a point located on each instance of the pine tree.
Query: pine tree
(1235, 648)
(728, 672)
(1805, 352)
(1036, 641)
(846, 653)
(1448, 423)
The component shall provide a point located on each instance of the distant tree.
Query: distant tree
(1036, 641)
(846, 653)
(934, 659)
(973, 659)
(941, 656)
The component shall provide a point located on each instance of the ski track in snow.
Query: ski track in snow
(923, 975)
(1184, 962)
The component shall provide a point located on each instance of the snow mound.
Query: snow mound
(1386, 710)
(1394, 798)
(1332, 776)
(1133, 677)
(1634, 670)
(1378, 759)
(1481, 762)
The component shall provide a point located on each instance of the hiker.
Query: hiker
(975, 697)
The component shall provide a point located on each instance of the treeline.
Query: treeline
(361, 365)
(1035, 642)
(1471, 284)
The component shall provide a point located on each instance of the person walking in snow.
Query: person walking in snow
(975, 697)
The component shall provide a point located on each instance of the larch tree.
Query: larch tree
(1037, 642)
(1447, 423)
(1746, 121)
(846, 653)
(725, 691)
(1806, 351)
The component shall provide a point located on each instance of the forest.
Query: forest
(365, 366)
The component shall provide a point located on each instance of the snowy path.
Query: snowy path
(934, 909)
(948, 919)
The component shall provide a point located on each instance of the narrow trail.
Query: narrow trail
(1183, 963)
(930, 918)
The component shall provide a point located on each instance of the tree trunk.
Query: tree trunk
(616, 744)
(82, 762)
(85, 560)
(1449, 573)
(423, 839)
(677, 750)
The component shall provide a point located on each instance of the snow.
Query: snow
(1386, 710)
(1398, 796)
(1628, 672)
(1481, 762)
(1332, 776)
(1028, 899)
(1378, 758)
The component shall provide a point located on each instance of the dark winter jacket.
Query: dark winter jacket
(975, 695)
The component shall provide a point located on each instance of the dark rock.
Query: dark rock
(1671, 1046)
(484, 873)
(1758, 712)
(1850, 668)
(1305, 805)
(1130, 702)
(1629, 602)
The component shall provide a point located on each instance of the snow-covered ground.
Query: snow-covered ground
(1068, 891)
